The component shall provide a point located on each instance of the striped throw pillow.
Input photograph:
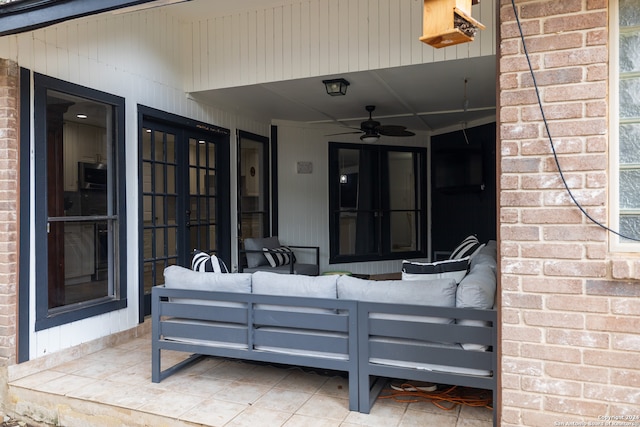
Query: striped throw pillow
(467, 248)
(279, 256)
(204, 262)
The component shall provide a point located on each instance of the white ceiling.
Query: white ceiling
(425, 97)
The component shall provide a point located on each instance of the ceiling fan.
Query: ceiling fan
(372, 129)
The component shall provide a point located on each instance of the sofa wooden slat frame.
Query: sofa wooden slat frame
(373, 334)
(175, 311)
(338, 335)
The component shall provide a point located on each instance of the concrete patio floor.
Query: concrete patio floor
(112, 386)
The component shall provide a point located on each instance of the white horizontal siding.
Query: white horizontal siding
(315, 38)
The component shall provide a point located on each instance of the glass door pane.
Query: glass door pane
(159, 206)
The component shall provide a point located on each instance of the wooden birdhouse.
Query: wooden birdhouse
(448, 22)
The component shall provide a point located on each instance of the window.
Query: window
(625, 127)
(377, 202)
(79, 202)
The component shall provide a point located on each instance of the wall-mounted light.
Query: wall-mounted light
(343, 179)
(336, 87)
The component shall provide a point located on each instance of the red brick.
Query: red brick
(597, 37)
(521, 198)
(550, 352)
(509, 182)
(518, 97)
(605, 393)
(551, 216)
(550, 181)
(511, 30)
(582, 21)
(577, 338)
(510, 47)
(575, 269)
(519, 63)
(553, 112)
(590, 197)
(521, 334)
(625, 377)
(549, 8)
(509, 114)
(521, 267)
(510, 316)
(570, 286)
(576, 92)
(522, 366)
(519, 300)
(520, 233)
(573, 233)
(551, 386)
(521, 399)
(569, 145)
(614, 324)
(509, 216)
(510, 283)
(628, 342)
(596, 109)
(586, 56)
(521, 164)
(509, 148)
(586, 127)
(577, 372)
(575, 407)
(597, 251)
(586, 162)
(554, 42)
(554, 319)
(552, 250)
(627, 306)
(597, 144)
(597, 180)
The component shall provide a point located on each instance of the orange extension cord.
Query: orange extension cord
(446, 399)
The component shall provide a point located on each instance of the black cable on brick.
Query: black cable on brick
(553, 148)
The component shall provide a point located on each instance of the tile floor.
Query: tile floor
(113, 386)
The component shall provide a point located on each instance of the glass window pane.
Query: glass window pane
(193, 146)
(347, 233)
(630, 226)
(202, 153)
(629, 13)
(147, 213)
(630, 143)
(403, 231)
(252, 224)
(630, 189)
(212, 209)
(172, 241)
(171, 148)
(160, 211)
(146, 143)
(171, 179)
(146, 177)
(171, 210)
(212, 155)
(629, 95)
(159, 178)
(158, 146)
(160, 244)
(629, 52)
(401, 181)
(212, 238)
(148, 243)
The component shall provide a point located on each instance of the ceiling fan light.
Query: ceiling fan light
(369, 138)
(336, 87)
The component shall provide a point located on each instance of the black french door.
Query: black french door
(184, 197)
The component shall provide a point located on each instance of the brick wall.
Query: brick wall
(8, 217)
(570, 309)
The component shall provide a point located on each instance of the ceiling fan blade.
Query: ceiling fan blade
(344, 133)
(393, 130)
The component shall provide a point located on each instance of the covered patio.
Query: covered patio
(108, 382)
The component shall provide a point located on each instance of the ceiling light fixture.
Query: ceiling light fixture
(370, 137)
(336, 87)
(81, 116)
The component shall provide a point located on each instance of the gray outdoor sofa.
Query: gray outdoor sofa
(434, 330)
